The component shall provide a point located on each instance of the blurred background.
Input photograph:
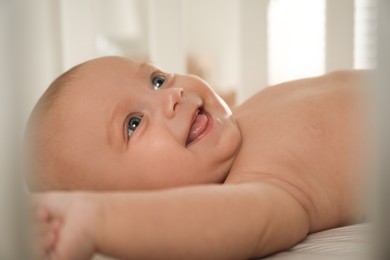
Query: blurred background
(238, 46)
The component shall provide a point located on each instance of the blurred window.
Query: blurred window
(296, 39)
(365, 34)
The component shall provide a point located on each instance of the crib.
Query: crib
(39, 43)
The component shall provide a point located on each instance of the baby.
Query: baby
(181, 176)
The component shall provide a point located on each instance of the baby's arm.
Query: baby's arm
(201, 222)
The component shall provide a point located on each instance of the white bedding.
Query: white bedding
(345, 243)
(349, 242)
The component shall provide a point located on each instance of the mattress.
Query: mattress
(349, 242)
(344, 243)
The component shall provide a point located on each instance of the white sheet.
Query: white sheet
(345, 243)
(349, 242)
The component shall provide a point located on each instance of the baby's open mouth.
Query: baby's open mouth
(198, 126)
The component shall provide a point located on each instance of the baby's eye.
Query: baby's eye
(133, 124)
(158, 81)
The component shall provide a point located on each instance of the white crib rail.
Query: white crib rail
(382, 152)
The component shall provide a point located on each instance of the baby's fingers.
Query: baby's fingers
(50, 236)
(49, 241)
(45, 230)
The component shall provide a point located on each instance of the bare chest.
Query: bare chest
(311, 133)
(306, 136)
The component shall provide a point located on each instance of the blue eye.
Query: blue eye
(158, 81)
(133, 124)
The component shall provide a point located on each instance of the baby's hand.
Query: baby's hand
(46, 230)
(67, 223)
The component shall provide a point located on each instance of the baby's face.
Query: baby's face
(125, 125)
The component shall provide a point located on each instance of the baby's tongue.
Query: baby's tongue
(197, 127)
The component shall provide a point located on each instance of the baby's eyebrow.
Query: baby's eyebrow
(148, 68)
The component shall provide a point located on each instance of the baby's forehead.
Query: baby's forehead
(116, 63)
(100, 82)
(114, 71)
(107, 76)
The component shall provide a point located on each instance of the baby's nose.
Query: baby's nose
(172, 97)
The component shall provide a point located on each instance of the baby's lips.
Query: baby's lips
(197, 128)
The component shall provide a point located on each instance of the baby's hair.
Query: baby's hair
(37, 178)
(55, 89)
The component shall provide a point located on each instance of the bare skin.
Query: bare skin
(291, 164)
(307, 137)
